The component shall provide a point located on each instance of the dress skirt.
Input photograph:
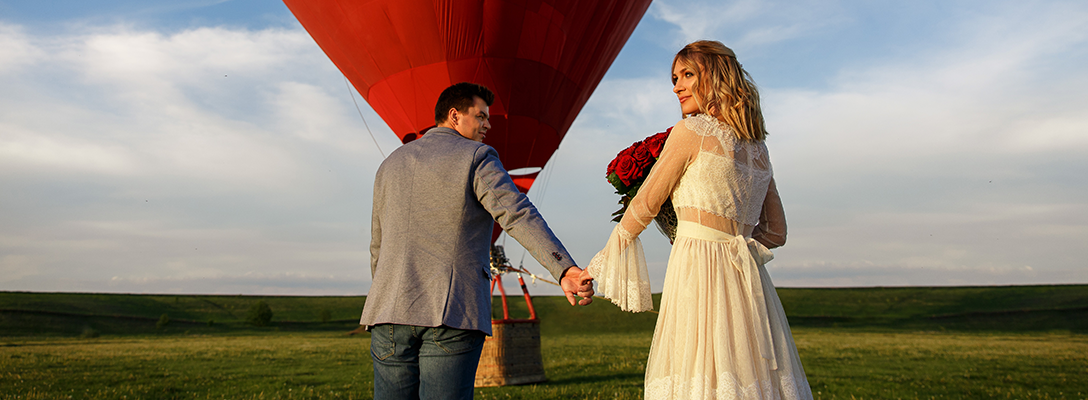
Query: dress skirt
(721, 332)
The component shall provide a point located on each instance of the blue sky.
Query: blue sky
(211, 147)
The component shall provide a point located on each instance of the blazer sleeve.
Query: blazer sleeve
(376, 224)
(516, 214)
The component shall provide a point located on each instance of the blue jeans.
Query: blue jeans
(415, 362)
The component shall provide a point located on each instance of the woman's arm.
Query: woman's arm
(680, 149)
(620, 268)
(771, 231)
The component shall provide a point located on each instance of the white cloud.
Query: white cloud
(630, 108)
(20, 151)
(745, 24)
(181, 158)
(144, 255)
(204, 104)
(980, 94)
(121, 56)
(312, 113)
(16, 49)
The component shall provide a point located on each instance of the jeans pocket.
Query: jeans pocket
(382, 345)
(457, 341)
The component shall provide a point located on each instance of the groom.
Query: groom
(435, 198)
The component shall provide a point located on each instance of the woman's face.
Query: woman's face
(683, 79)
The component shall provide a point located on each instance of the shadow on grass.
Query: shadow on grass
(617, 377)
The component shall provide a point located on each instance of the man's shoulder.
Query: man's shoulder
(451, 141)
(436, 148)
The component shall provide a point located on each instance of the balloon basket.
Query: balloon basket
(511, 356)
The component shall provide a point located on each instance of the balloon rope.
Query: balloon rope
(522, 270)
(352, 94)
(543, 176)
(547, 175)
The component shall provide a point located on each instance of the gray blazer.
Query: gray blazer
(435, 200)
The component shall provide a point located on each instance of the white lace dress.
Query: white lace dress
(721, 332)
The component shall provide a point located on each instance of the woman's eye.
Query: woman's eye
(688, 75)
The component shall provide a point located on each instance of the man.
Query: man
(435, 198)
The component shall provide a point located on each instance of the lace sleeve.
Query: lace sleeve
(620, 268)
(621, 273)
(680, 149)
(771, 231)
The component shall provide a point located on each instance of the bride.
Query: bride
(721, 332)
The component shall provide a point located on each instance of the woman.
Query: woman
(721, 332)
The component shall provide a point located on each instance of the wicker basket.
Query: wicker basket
(511, 356)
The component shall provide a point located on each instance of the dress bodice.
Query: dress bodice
(728, 178)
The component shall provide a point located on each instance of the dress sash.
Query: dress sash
(749, 256)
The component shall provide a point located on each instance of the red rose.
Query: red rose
(612, 166)
(642, 155)
(656, 143)
(626, 168)
(626, 152)
(627, 171)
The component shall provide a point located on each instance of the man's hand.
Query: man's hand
(576, 282)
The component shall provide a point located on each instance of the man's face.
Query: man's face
(474, 122)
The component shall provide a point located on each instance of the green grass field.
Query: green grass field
(602, 366)
(875, 343)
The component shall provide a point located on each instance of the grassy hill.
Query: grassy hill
(67, 314)
(998, 308)
(981, 308)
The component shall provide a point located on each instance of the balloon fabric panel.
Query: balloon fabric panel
(542, 58)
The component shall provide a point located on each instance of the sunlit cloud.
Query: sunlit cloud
(745, 24)
(16, 50)
(152, 156)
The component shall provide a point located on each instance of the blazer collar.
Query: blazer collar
(442, 129)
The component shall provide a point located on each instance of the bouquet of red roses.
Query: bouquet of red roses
(628, 170)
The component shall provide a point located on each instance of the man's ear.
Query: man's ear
(452, 115)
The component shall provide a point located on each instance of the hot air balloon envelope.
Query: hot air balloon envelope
(541, 58)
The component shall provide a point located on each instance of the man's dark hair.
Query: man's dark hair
(460, 97)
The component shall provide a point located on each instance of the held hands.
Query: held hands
(576, 282)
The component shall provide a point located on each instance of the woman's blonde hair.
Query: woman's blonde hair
(729, 94)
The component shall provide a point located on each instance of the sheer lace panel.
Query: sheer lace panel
(713, 178)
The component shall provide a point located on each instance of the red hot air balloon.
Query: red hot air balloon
(542, 59)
